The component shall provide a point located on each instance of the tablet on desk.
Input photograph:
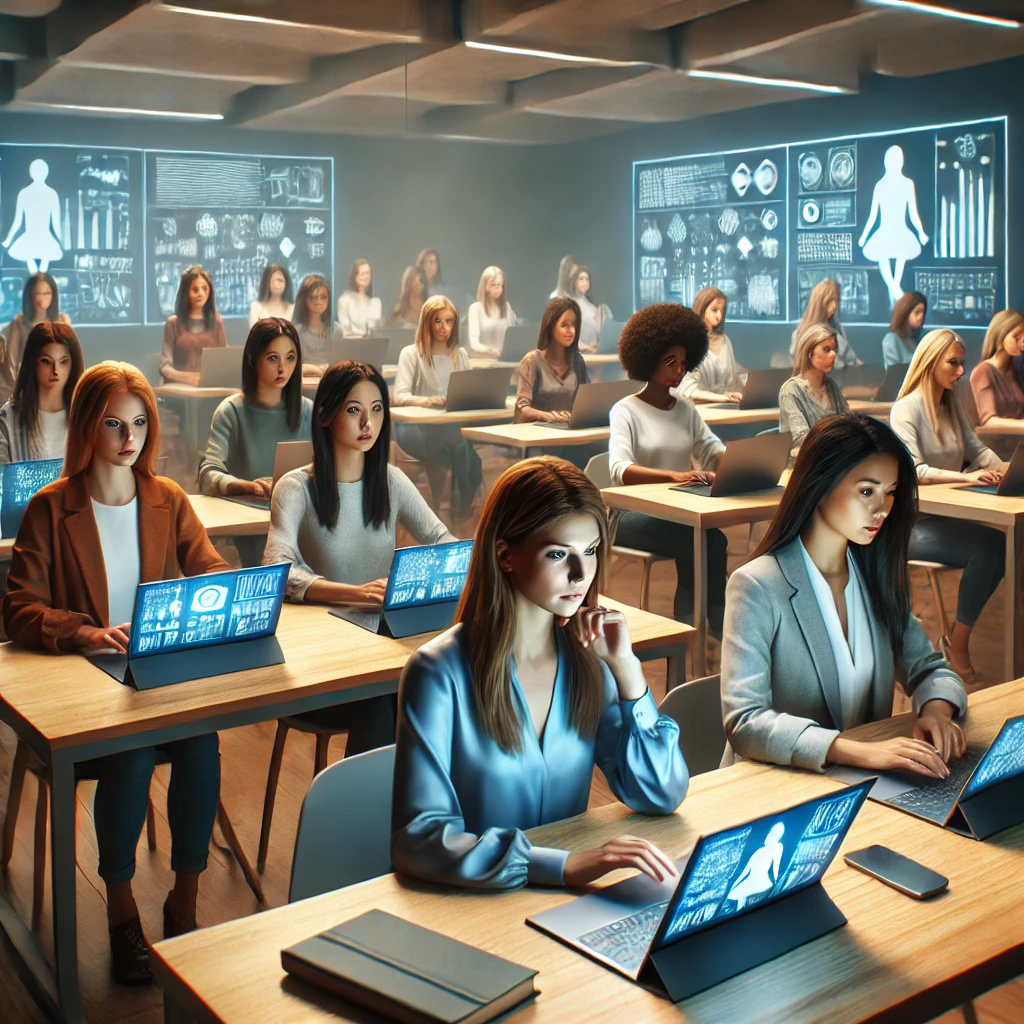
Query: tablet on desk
(19, 481)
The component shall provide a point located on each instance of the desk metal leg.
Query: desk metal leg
(65, 927)
(1013, 580)
(700, 594)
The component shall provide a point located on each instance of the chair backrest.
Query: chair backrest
(598, 471)
(344, 833)
(696, 707)
(770, 430)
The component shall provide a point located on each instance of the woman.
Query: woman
(503, 717)
(359, 313)
(40, 303)
(818, 622)
(422, 379)
(997, 392)
(489, 315)
(275, 295)
(312, 319)
(718, 377)
(823, 307)
(85, 544)
(656, 438)
(930, 421)
(810, 393)
(194, 325)
(429, 265)
(34, 423)
(592, 317)
(908, 315)
(411, 293)
(550, 375)
(562, 283)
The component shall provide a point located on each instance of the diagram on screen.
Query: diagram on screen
(762, 870)
(38, 212)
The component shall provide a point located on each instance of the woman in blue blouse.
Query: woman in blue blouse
(502, 734)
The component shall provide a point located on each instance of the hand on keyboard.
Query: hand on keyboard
(935, 725)
(694, 476)
(620, 852)
(903, 753)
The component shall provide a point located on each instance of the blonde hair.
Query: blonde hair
(524, 499)
(818, 302)
(927, 356)
(424, 333)
(489, 274)
(808, 338)
(1005, 321)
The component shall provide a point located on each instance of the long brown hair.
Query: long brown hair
(261, 335)
(182, 306)
(818, 301)
(301, 313)
(524, 499)
(901, 310)
(553, 312)
(1005, 321)
(424, 330)
(402, 309)
(25, 397)
(807, 340)
(703, 299)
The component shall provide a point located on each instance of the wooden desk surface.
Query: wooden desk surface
(896, 960)
(954, 501)
(600, 358)
(1000, 426)
(879, 409)
(195, 393)
(660, 501)
(424, 415)
(534, 435)
(715, 414)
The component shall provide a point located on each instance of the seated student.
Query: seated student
(85, 544)
(489, 315)
(718, 378)
(908, 315)
(656, 438)
(563, 281)
(503, 717)
(275, 295)
(823, 308)
(551, 374)
(592, 316)
(412, 290)
(428, 262)
(34, 423)
(359, 312)
(422, 379)
(930, 421)
(997, 392)
(40, 303)
(195, 325)
(312, 319)
(818, 622)
(810, 393)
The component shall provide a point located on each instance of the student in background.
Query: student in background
(40, 303)
(818, 622)
(490, 315)
(592, 316)
(718, 377)
(194, 325)
(997, 392)
(429, 264)
(930, 421)
(411, 292)
(810, 393)
(359, 313)
(34, 423)
(422, 379)
(563, 283)
(503, 717)
(908, 315)
(85, 544)
(823, 307)
(312, 319)
(551, 374)
(275, 296)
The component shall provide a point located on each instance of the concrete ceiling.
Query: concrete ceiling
(407, 67)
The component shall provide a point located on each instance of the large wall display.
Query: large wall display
(917, 209)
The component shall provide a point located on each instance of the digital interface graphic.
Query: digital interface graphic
(1003, 760)
(427, 575)
(18, 482)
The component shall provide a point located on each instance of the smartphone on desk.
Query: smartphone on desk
(902, 873)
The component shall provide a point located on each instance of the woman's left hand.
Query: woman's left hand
(935, 725)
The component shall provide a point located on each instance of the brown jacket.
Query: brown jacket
(58, 580)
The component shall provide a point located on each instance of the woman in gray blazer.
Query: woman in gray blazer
(818, 623)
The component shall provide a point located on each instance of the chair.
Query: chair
(696, 707)
(599, 475)
(932, 569)
(344, 833)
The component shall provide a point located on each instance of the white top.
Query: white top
(591, 320)
(486, 332)
(717, 372)
(257, 311)
(854, 657)
(659, 438)
(118, 526)
(415, 377)
(53, 432)
(359, 315)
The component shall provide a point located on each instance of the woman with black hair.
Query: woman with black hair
(312, 319)
(40, 302)
(275, 295)
(818, 622)
(908, 315)
(195, 325)
(656, 438)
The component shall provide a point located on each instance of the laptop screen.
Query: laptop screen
(742, 868)
(427, 575)
(1003, 759)
(198, 611)
(18, 482)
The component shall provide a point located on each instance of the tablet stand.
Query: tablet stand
(179, 666)
(990, 811)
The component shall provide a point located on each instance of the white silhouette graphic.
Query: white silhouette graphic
(38, 207)
(893, 199)
(762, 870)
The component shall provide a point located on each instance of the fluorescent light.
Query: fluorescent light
(778, 83)
(260, 19)
(947, 12)
(81, 108)
(551, 55)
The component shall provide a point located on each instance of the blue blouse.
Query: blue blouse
(461, 803)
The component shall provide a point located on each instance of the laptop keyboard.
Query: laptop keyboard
(934, 800)
(626, 941)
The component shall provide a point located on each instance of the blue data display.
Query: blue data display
(178, 615)
(427, 575)
(18, 482)
(1002, 760)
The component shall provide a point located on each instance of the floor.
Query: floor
(245, 756)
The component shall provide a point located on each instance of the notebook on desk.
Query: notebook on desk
(19, 481)
(1012, 484)
(748, 465)
(221, 366)
(288, 455)
(593, 403)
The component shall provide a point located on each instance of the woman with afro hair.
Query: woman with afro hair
(657, 438)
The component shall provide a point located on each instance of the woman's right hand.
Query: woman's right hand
(558, 416)
(694, 476)
(621, 852)
(370, 595)
(986, 476)
(96, 640)
(734, 396)
(902, 753)
(257, 488)
(435, 402)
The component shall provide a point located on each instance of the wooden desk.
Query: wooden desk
(328, 661)
(1000, 426)
(524, 438)
(1006, 514)
(716, 414)
(897, 960)
(425, 415)
(880, 410)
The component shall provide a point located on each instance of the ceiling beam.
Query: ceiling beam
(567, 82)
(22, 38)
(75, 21)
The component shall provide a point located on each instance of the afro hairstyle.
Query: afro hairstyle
(651, 332)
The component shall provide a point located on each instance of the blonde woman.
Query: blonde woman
(489, 315)
(930, 421)
(997, 392)
(810, 394)
(718, 377)
(823, 307)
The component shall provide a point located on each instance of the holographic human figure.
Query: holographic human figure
(762, 870)
(38, 209)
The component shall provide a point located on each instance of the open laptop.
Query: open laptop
(486, 387)
(288, 455)
(743, 896)
(761, 390)
(862, 375)
(372, 351)
(983, 793)
(221, 367)
(398, 338)
(424, 586)
(748, 465)
(201, 626)
(18, 482)
(593, 403)
(889, 389)
(1012, 484)
(519, 339)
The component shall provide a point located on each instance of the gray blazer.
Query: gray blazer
(780, 686)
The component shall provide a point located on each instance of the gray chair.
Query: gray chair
(696, 707)
(344, 833)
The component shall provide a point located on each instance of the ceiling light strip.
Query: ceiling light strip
(134, 111)
(575, 58)
(947, 12)
(259, 19)
(775, 83)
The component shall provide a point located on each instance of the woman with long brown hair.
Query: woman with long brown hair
(908, 313)
(718, 378)
(194, 325)
(997, 392)
(411, 292)
(502, 718)
(823, 308)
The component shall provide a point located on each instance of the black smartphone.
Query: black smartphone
(902, 873)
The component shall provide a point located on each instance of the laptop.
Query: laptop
(862, 375)
(487, 387)
(983, 793)
(288, 455)
(519, 339)
(761, 390)
(221, 367)
(202, 626)
(748, 465)
(889, 389)
(745, 895)
(372, 351)
(18, 482)
(424, 586)
(593, 403)
(1012, 484)
(399, 338)
(611, 331)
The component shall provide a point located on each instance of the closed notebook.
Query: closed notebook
(408, 973)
